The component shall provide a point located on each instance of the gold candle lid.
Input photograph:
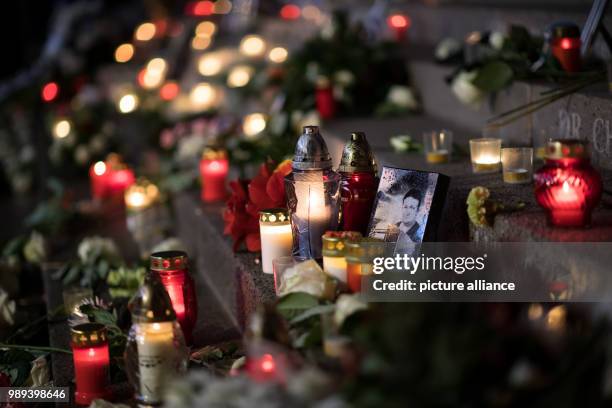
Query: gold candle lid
(88, 335)
(214, 153)
(151, 304)
(364, 250)
(273, 216)
(114, 161)
(334, 243)
(168, 260)
(357, 155)
(566, 148)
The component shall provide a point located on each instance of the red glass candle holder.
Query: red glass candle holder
(172, 269)
(110, 178)
(565, 46)
(214, 167)
(324, 98)
(98, 175)
(567, 186)
(399, 24)
(91, 362)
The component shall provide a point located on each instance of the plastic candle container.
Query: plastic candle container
(276, 236)
(325, 102)
(171, 267)
(567, 186)
(91, 362)
(214, 167)
(334, 246)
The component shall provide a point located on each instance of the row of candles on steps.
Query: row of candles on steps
(164, 313)
(567, 186)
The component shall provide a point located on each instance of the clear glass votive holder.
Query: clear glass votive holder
(438, 146)
(486, 155)
(281, 265)
(517, 163)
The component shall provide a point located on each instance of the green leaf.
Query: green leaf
(494, 76)
(298, 300)
(314, 311)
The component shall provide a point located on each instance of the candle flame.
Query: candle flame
(100, 168)
(267, 363)
(565, 187)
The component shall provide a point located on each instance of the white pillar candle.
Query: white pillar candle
(156, 354)
(276, 236)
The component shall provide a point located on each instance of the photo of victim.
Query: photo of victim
(402, 207)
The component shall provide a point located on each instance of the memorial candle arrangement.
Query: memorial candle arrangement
(171, 267)
(486, 155)
(334, 251)
(567, 186)
(360, 260)
(276, 236)
(214, 167)
(565, 45)
(155, 353)
(91, 362)
(110, 178)
(517, 164)
(358, 183)
(438, 146)
(312, 190)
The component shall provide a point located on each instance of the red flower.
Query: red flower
(266, 190)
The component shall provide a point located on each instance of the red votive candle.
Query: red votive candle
(214, 168)
(98, 175)
(119, 180)
(171, 268)
(565, 45)
(110, 178)
(91, 362)
(324, 98)
(399, 23)
(567, 186)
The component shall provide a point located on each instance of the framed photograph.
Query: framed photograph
(407, 206)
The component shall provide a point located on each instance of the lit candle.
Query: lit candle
(399, 23)
(171, 268)
(214, 168)
(276, 236)
(91, 362)
(437, 146)
(140, 195)
(360, 260)
(97, 176)
(486, 155)
(565, 45)
(155, 343)
(334, 245)
(324, 98)
(517, 164)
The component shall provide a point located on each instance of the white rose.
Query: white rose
(346, 305)
(92, 247)
(81, 155)
(344, 77)
(34, 250)
(497, 40)
(401, 143)
(465, 90)
(307, 277)
(446, 48)
(39, 374)
(7, 309)
(402, 96)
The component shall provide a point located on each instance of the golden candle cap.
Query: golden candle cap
(364, 250)
(323, 81)
(566, 148)
(151, 304)
(357, 155)
(168, 261)
(115, 162)
(565, 29)
(88, 335)
(274, 216)
(214, 153)
(334, 243)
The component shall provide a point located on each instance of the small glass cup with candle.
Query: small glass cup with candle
(155, 352)
(91, 358)
(276, 236)
(517, 163)
(214, 167)
(360, 260)
(334, 245)
(486, 155)
(438, 146)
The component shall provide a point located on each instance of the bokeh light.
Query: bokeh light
(145, 32)
(252, 46)
(169, 91)
(62, 128)
(278, 54)
(200, 43)
(209, 65)
(239, 76)
(124, 53)
(128, 103)
(49, 91)
(202, 95)
(253, 124)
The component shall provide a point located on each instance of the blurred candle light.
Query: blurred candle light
(145, 32)
(214, 167)
(128, 103)
(210, 65)
(124, 53)
(252, 46)
(201, 8)
(200, 43)
(169, 91)
(278, 55)
(202, 95)
(399, 23)
(62, 128)
(239, 76)
(97, 176)
(290, 12)
(223, 7)
(206, 29)
(49, 91)
(253, 124)
(311, 12)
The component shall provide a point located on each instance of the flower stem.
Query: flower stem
(36, 348)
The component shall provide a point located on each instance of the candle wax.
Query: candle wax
(155, 342)
(276, 241)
